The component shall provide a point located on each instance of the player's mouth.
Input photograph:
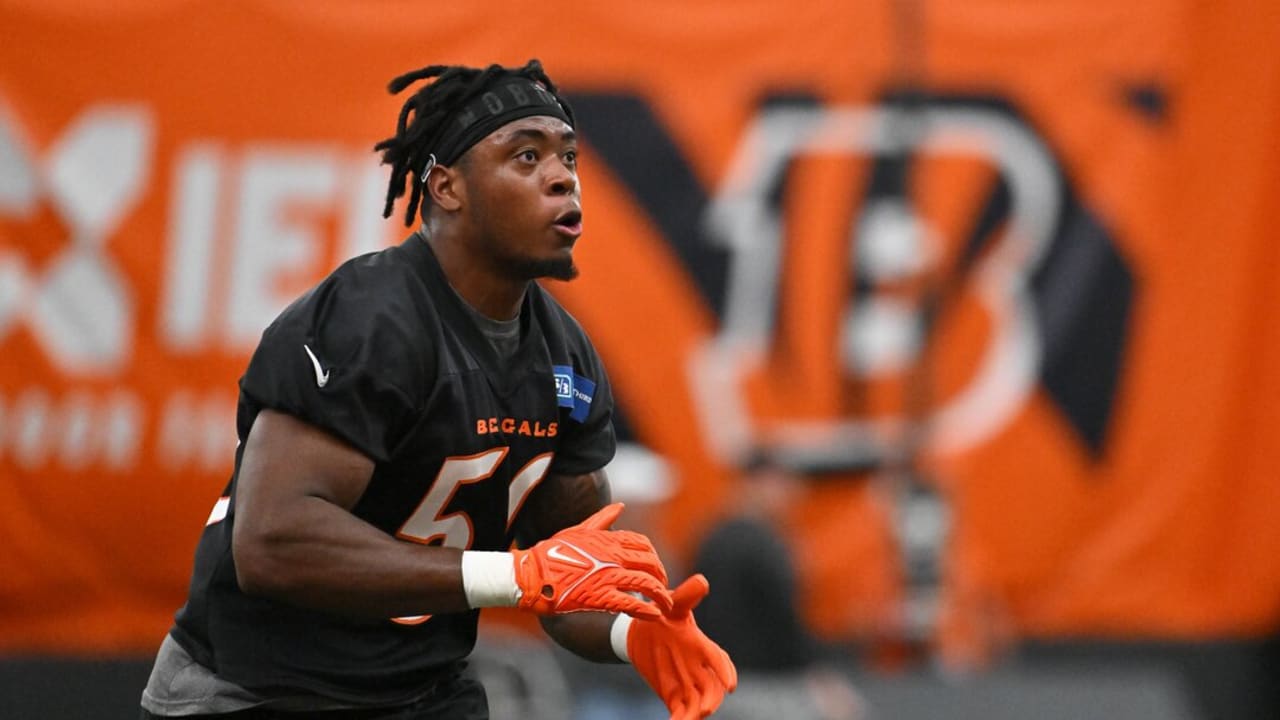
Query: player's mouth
(569, 223)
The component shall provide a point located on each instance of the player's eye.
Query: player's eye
(528, 156)
(571, 158)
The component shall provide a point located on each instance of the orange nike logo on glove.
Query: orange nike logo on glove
(557, 553)
(589, 567)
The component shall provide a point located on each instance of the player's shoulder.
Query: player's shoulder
(375, 293)
(376, 283)
(559, 325)
(370, 314)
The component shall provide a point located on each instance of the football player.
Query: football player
(422, 435)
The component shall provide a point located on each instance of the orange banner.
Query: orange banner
(1022, 249)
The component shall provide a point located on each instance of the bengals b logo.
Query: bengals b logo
(921, 262)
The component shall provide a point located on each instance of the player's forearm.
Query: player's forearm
(584, 634)
(318, 555)
(558, 502)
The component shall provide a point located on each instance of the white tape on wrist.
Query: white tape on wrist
(618, 637)
(489, 579)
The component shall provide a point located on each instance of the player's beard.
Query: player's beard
(521, 265)
(529, 268)
(556, 269)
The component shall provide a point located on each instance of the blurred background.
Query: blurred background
(944, 334)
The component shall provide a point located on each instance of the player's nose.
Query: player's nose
(561, 179)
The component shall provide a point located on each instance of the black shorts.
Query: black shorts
(462, 697)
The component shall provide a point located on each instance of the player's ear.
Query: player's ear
(446, 187)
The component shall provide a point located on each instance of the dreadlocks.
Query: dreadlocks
(424, 119)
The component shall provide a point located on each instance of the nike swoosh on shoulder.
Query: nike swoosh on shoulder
(322, 376)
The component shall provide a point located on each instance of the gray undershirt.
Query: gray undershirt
(503, 335)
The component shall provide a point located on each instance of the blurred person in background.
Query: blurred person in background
(786, 670)
(406, 420)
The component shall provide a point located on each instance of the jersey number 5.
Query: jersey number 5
(430, 523)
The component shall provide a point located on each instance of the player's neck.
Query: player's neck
(481, 286)
(495, 299)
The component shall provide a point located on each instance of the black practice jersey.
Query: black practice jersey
(383, 355)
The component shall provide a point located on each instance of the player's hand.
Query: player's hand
(683, 666)
(590, 567)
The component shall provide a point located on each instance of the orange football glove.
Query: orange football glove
(590, 567)
(683, 666)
